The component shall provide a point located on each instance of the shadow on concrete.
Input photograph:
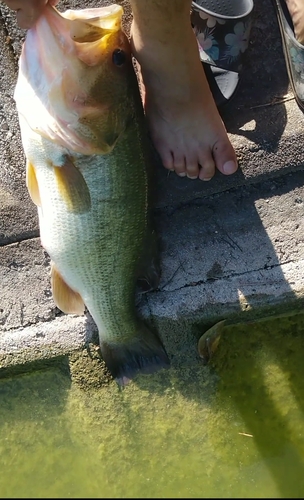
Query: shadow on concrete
(251, 125)
(264, 83)
(224, 237)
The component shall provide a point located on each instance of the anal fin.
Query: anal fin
(66, 299)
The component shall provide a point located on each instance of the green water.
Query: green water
(232, 429)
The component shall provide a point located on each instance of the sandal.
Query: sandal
(222, 29)
(293, 52)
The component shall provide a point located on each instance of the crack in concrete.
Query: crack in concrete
(22, 314)
(38, 320)
(32, 235)
(234, 275)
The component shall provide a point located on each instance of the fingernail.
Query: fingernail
(229, 167)
(182, 174)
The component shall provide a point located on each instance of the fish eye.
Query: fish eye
(119, 57)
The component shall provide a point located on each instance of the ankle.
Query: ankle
(171, 43)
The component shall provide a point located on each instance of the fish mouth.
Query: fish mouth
(84, 26)
(91, 35)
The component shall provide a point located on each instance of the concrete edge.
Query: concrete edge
(192, 305)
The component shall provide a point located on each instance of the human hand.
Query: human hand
(28, 11)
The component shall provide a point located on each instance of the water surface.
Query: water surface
(232, 429)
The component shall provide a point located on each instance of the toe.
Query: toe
(207, 169)
(192, 167)
(166, 158)
(180, 165)
(225, 157)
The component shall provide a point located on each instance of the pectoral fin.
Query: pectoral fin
(32, 183)
(72, 187)
(66, 299)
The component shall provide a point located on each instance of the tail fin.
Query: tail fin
(143, 354)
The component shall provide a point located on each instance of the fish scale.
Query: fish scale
(105, 282)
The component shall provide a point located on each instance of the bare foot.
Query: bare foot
(296, 11)
(184, 122)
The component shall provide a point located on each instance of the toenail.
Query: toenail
(192, 176)
(207, 179)
(229, 167)
(182, 174)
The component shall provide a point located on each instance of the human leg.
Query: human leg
(184, 122)
(296, 11)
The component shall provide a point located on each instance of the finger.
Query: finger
(26, 19)
(28, 13)
(14, 4)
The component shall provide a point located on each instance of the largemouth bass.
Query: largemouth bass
(82, 129)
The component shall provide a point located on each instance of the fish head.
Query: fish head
(76, 84)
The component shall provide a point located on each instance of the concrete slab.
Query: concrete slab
(230, 248)
(231, 252)
(25, 285)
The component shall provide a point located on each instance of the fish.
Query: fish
(88, 171)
